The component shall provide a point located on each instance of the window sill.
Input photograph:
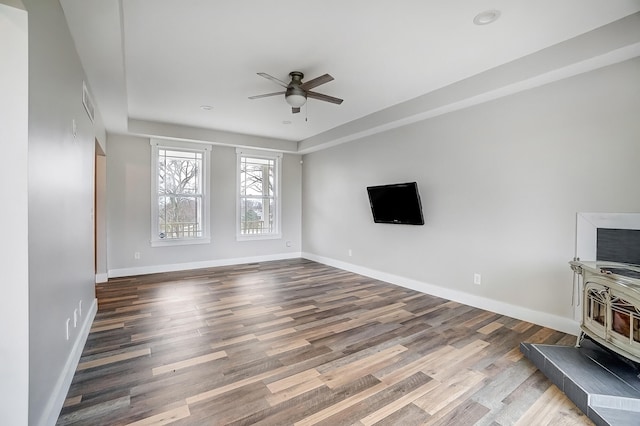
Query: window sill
(258, 237)
(181, 242)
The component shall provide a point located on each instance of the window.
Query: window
(258, 194)
(180, 193)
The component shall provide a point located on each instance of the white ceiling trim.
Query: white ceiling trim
(610, 58)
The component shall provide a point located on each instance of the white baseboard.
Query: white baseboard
(154, 269)
(56, 400)
(566, 325)
(102, 278)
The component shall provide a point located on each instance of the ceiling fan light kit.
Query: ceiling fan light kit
(297, 92)
(295, 99)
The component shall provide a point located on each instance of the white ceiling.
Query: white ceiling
(158, 61)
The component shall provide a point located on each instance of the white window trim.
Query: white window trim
(277, 156)
(156, 144)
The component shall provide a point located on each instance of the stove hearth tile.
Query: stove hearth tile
(602, 385)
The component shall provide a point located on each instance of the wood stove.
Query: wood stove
(610, 300)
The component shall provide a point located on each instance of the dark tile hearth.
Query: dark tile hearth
(600, 383)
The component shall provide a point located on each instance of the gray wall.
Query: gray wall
(501, 184)
(129, 213)
(61, 264)
(14, 303)
(101, 217)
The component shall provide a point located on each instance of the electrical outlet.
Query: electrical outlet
(477, 279)
(350, 253)
(136, 255)
(288, 244)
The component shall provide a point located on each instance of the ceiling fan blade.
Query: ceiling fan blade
(326, 98)
(275, 80)
(316, 82)
(266, 95)
(295, 110)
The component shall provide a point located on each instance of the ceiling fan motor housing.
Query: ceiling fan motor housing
(296, 77)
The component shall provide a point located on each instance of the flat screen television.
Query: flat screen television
(397, 203)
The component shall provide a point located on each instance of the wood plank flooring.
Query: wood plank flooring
(297, 342)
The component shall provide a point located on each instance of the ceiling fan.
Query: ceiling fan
(297, 92)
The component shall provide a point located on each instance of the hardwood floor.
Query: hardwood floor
(297, 342)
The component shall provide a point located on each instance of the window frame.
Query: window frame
(205, 194)
(277, 159)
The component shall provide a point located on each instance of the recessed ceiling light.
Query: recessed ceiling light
(486, 17)
(206, 107)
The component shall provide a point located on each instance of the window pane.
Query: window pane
(179, 217)
(256, 176)
(179, 172)
(256, 216)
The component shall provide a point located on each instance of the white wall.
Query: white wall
(61, 186)
(500, 183)
(129, 214)
(14, 303)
